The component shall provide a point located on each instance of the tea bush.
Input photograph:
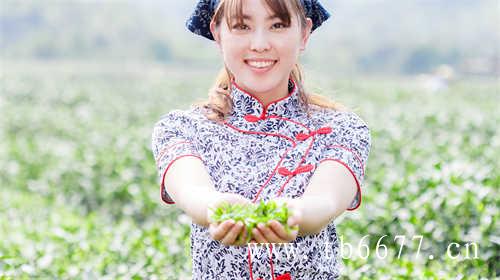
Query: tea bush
(80, 196)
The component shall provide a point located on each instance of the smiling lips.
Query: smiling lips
(261, 65)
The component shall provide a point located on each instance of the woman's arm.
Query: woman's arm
(190, 186)
(329, 193)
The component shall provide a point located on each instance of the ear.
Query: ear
(306, 32)
(215, 32)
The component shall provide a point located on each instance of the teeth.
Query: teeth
(260, 64)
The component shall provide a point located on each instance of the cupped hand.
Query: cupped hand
(227, 232)
(274, 231)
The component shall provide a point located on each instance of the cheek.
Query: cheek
(232, 59)
(290, 53)
(233, 53)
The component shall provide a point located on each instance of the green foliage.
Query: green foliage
(252, 215)
(79, 192)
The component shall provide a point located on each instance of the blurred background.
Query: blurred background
(363, 37)
(83, 82)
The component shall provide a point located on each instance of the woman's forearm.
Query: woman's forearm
(190, 186)
(317, 212)
(194, 201)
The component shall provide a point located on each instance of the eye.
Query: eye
(240, 26)
(279, 25)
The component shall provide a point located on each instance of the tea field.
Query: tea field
(79, 193)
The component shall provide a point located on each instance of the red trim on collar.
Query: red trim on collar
(264, 108)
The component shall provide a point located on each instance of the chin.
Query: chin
(258, 85)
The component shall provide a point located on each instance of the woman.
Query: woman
(261, 136)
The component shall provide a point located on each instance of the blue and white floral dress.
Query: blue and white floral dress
(263, 152)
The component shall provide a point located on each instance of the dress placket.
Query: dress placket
(291, 164)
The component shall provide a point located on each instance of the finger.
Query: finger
(258, 236)
(242, 237)
(214, 230)
(220, 231)
(211, 229)
(232, 234)
(279, 230)
(269, 234)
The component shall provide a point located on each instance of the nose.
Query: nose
(260, 41)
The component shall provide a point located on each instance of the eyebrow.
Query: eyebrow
(268, 18)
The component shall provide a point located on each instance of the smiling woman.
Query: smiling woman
(288, 22)
(261, 136)
(260, 44)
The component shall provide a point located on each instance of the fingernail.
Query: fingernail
(261, 225)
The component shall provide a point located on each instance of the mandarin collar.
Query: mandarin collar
(248, 106)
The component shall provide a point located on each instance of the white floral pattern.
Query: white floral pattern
(254, 154)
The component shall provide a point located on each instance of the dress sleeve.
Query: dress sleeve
(349, 144)
(171, 140)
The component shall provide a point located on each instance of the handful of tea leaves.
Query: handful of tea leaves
(253, 214)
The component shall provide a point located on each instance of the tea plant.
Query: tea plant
(253, 214)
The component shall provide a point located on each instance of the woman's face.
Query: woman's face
(262, 51)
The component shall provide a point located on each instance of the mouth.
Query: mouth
(261, 65)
